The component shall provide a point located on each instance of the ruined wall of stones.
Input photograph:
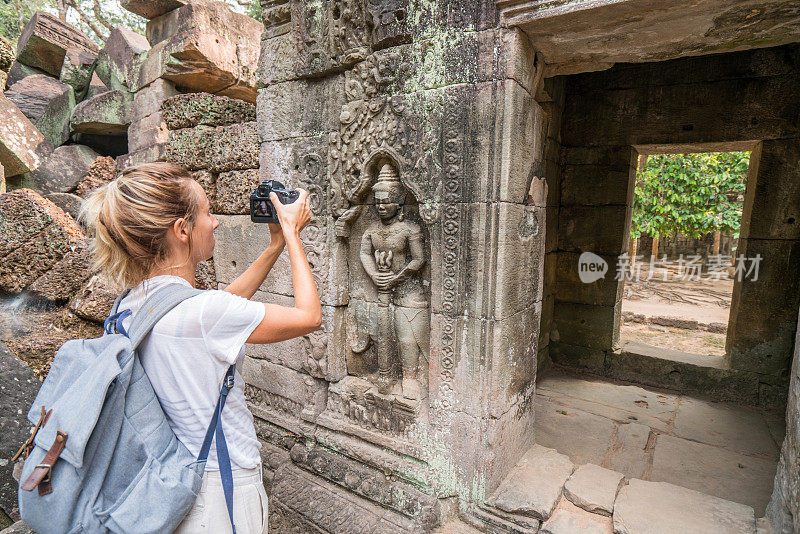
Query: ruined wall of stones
(682, 104)
(783, 510)
(439, 102)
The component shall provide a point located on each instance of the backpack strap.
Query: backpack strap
(215, 430)
(155, 307)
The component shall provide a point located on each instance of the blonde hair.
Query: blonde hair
(129, 219)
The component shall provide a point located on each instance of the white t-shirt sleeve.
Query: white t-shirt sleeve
(228, 320)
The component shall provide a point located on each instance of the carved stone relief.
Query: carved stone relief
(332, 34)
(276, 16)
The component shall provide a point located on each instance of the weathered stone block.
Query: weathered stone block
(19, 386)
(772, 206)
(146, 155)
(22, 145)
(68, 202)
(19, 71)
(658, 507)
(304, 396)
(6, 55)
(78, 71)
(278, 60)
(116, 62)
(319, 354)
(194, 109)
(63, 169)
(533, 486)
(206, 276)
(568, 519)
(595, 327)
(101, 171)
(595, 185)
(598, 229)
(762, 323)
(210, 48)
(208, 181)
(300, 108)
(31, 253)
(576, 356)
(45, 40)
(146, 132)
(151, 9)
(94, 300)
(47, 102)
(67, 276)
(148, 99)
(233, 191)
(569, 287)
(594, 488)
(108, 113)
(224, 148)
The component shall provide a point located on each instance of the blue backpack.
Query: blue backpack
(102, 456)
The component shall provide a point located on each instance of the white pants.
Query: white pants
(210, 514)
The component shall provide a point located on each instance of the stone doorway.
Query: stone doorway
(656, 415)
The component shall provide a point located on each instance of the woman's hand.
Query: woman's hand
(276, 238)
(295, 216)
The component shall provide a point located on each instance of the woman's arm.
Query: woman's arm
(282, 322)
(249, 281)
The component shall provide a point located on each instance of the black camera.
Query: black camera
(261, 208)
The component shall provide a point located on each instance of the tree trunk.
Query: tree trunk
(654, 249)
(717, 236)
(633, 245)
(62, 10)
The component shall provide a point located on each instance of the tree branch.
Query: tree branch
(86, 20)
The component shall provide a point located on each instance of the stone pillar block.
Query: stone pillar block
(108, 113)
(63, 169)
(36, 236)
(150, 9)
(22, 145)
(148, 99)
(47, 102)
(45, 40)
(116, 62)
(203, 47)
(146, 132)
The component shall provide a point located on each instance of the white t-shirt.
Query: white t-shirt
(186, 357)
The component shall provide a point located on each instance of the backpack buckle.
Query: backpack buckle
(229, 382)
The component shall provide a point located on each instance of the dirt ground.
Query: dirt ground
(706, 301)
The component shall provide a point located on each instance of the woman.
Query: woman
(152, 226)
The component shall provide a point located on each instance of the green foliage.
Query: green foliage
(690, 194)
(15, 13)
(95, 18)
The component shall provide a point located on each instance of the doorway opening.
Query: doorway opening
(679, 269)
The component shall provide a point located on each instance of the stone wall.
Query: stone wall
(419, 390)
(610, 118)
(783, 510)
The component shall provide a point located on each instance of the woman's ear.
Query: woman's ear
(181, 230)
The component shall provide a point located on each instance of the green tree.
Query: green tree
(690, 194)
(96, 18)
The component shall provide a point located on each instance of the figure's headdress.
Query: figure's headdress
(388, 185)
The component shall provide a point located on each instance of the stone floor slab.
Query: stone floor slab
(733, 427)
(570, 519)
(628, 404)
(582, 436)
(661, 508)
(628, 453)
(715, 471)
(593, 488)
(534, 485)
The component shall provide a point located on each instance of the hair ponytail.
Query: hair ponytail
(129, 219)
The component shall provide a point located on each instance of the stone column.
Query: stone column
(448, 100)
(762, 324)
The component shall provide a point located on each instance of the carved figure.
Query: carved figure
(392, 253)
